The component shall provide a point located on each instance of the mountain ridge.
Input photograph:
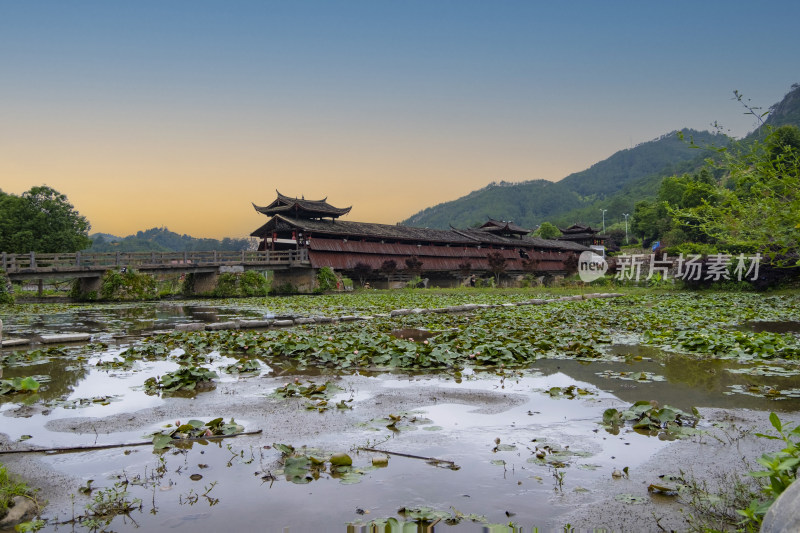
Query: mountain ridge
(532, 202)
(614, 184)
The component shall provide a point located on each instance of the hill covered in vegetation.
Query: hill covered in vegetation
(162, 240)
(530, 203)
(615, 184)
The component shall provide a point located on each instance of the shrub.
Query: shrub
(112, 284)
(127, 285)
(780, 471)
(227, 286)
(249, 283)
(529, 280)
(231, 285)
(483, 283)
(252, 283)
(604, 281)
(414, 282)
(6, 290)
(326, 279)
(9, 488)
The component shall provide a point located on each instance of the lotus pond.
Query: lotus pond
(506, 417)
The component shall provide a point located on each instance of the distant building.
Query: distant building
(583, 235)
(445, 254)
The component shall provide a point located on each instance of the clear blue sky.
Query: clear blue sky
(181, 113)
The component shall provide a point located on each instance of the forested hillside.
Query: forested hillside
(784, 113)
(623, 200)
(787, 111)
(637, 170)
(162, 240)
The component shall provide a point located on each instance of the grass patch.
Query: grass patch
(10, 487)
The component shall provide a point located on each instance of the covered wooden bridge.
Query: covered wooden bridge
(443, 256)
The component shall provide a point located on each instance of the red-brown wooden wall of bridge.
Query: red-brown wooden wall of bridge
(344, 255)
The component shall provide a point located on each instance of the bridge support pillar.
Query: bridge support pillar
(303, 280)
(90, 285)
(205, 282)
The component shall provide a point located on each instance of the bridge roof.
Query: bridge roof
(497, 226)
(301, 208)
(579, 229)
(344, 229)
(347, 228)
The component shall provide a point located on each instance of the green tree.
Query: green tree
(783, 138)
(41, 220)
(759, 209)
(326, 279)
(653, 220)
(547, 231)
(616, 238)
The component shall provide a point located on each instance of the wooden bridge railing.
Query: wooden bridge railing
(14, 263)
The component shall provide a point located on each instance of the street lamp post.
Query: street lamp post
(626, 215)
(604, 220)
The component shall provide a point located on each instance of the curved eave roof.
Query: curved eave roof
(578, 229)
(302, 209)
(289, 199)
(504, 227)
(298, 206)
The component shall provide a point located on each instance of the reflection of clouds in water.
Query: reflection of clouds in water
(543, 421)
(101, 383)
(467, 436)
(540, 420)
(126, 394)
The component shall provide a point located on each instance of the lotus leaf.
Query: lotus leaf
(648, 418)
(26, 384)
(193, 429)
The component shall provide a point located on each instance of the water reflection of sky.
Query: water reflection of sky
(125, 392)
(487, 483)
(541, 417)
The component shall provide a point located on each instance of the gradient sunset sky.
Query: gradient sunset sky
(181, 113)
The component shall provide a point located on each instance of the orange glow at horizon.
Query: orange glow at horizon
(207, 192)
